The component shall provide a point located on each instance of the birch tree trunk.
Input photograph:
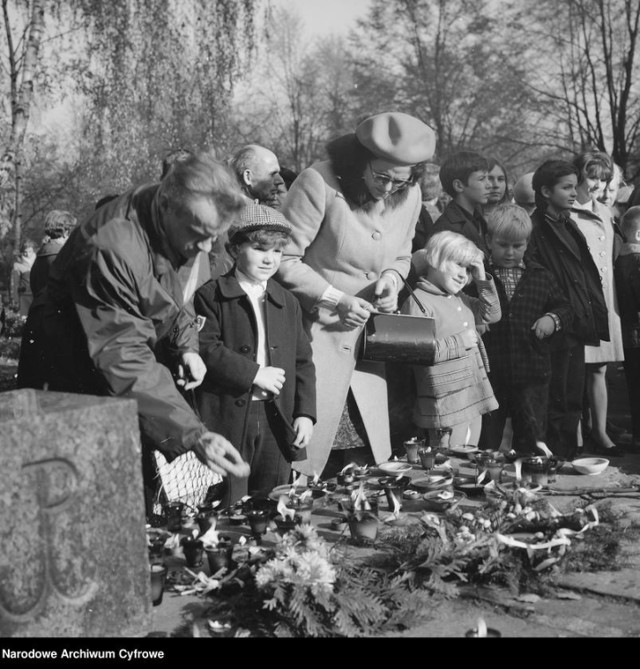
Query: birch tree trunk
(22, 72)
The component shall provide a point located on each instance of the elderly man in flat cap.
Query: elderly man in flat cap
(353, 219)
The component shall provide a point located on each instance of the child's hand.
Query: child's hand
(477, 270)
(270, 379)
(303, 425)
(544, 327)
(191, 371)
(469, 338)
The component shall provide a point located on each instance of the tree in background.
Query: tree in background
(299, 94)
(23, 47)
(589, 71)
(130, 80)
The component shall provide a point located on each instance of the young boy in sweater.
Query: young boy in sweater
(533, 310)
(259, 390)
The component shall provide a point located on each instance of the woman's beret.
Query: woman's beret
(397, 137)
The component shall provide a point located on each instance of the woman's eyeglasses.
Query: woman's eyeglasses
(383, 180)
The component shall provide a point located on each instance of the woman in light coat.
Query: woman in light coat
(353, 219)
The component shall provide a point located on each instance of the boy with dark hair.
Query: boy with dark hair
(627, 281)
(533, 310)
(557, 244)
(259, 390)
(464, 176)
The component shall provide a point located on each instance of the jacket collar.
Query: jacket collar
(552, 224)
(230, 288)
(432, 289)
(144, 206)
(629, 248)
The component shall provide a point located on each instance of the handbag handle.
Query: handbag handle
(413, 295)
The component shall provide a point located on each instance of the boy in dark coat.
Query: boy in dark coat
(559, 246)
(533, 310)
(627, 282)
(259, 390)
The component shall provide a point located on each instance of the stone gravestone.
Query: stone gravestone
(73, 556)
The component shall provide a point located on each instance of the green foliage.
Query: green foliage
(13, 326)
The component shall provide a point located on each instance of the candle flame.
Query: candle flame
(482, 628)
(467, 437)
(316, 477)
(396, 506)
(359, 499)
(283, 509)
(210, 537)
(544, 448)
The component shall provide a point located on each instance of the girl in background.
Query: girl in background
(595, 222)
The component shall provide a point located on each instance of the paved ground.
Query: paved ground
(605, 604)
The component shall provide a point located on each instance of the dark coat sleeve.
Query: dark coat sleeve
(305, 396)
(117, 316)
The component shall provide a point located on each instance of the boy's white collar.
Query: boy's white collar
(245, 281)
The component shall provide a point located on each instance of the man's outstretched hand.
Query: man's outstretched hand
(220, 455)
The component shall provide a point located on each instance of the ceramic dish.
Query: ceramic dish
(394, 467)
(283, 491)
(464, 449)
(437, 500)
(590, 466)
(432, 482)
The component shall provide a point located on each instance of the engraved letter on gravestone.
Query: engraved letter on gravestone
(74, 559)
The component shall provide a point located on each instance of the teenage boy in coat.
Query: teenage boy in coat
(259, 390)
(465, 177)
(557, 244)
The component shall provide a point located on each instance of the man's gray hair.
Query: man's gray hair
(242, 160)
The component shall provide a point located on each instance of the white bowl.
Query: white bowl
(464, 449)
(590, 466)
(395, 467)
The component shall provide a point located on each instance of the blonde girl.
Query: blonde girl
(454, 393)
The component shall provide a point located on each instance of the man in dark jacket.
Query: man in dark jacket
(113, 318)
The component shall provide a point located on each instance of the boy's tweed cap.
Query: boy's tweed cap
(259, 217)
(398, 138)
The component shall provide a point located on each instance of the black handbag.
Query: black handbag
(400, 338)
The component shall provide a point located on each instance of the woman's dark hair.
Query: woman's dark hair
(349, 160)
(549, 174)
(595, 165)
(288, 176)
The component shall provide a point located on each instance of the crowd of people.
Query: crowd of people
(229, 299)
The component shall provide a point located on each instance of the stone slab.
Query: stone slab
(624, 583)
(72, 526)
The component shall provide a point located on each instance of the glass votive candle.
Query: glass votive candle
(427, 458)
(411, 447)
(173, 515)
(193, 550)
(158, 574)
(219, 556)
